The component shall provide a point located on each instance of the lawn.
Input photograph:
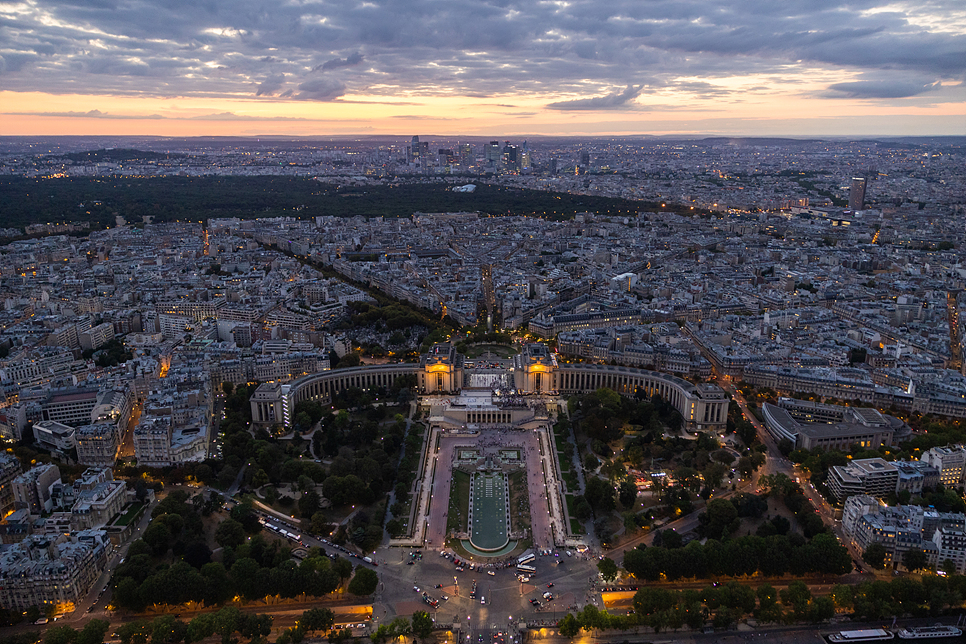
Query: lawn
(575, 527)
(459, 502)
(128, 515)
(519, 502)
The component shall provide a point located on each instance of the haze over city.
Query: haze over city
(249, 67)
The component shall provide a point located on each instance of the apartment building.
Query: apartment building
(940, 535)
(32, 490)
(10, 469)
(97, 336)
(98, 443)
(950, 461)
(51, 570)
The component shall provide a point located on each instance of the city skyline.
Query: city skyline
(548, 68)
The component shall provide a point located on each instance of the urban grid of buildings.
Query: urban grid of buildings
(779, 288)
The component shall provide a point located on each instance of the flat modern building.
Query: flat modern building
(809, 425)
(55, 437)
(873, 476)
(71, 406)
(97, 336)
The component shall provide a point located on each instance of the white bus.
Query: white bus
(526, 569)
(527, 558)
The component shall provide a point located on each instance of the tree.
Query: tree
(317, 619)
(767, 598)
(136, 632)
(582, 509)
(688, 477)
(841, 594)
(714, 474)
(875, 555)
(821, 609)
(158, 536)
(165, 629)
(93, 632)
(948, 566)
(915, 560)
(343, 568)
(226, 622)
(255, 627)
(746, 465)
(608, 569)
(60, 635)
(797, 595)
(230, 533)
(600, 495)
(364, 582)
(394, 527)
(568, 625)
(628, 493)
(785, 446)
(422, 624)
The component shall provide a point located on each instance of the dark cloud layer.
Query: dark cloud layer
(880, 89)
(597, 55)
(616, 100)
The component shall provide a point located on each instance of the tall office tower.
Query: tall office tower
(466, 154)
(857, 194)
(492, 152)
(585, 159)
(511, 156)
(414, 151)
(445, 156)
(553, 166)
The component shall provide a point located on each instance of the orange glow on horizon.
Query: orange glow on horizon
(35, 113)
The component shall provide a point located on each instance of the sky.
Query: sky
(482, 67)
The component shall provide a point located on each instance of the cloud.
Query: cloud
(614, 101)
(512, 49)
(91, 114)
(880, 89)
(231, 116)
(336, 63)
(320, 89)
(271, 85)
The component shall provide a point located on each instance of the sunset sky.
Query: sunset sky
(479, 67)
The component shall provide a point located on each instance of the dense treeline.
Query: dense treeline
(603, 413)
(167, 629)
(392, 317)
(724, 605)
(28, 200)
(773, 551)
(251, 568)
(770, 556)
